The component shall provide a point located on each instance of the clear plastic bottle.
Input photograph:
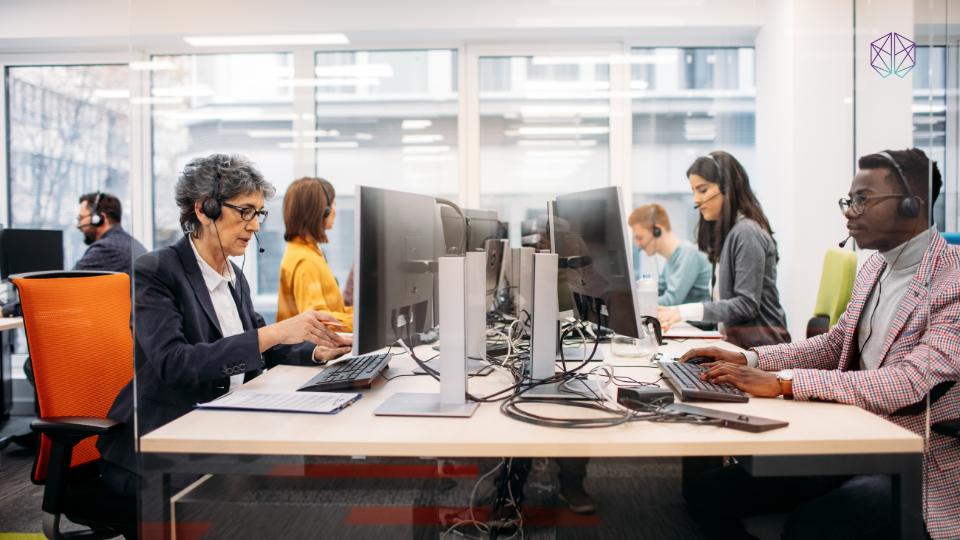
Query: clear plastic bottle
(647, 296)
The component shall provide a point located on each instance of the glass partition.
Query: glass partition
(794, 95)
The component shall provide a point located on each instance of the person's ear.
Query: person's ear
(198, 209)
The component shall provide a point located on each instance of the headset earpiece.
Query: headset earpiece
(657, 231)
(908, 207)
(96, 219)
(213, 207)
(326, 194)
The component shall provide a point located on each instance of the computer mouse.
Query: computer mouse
(700, 360)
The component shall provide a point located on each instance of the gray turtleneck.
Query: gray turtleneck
(881, 306)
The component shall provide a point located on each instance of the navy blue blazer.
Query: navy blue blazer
(180, 355)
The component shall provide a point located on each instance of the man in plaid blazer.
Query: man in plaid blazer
(897, 342)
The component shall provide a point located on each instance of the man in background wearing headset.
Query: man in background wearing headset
(896, 342)
(111, 248)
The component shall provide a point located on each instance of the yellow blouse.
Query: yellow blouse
(306, 282)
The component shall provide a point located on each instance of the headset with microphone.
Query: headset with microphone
(908, 206)
(213, 207)
(96, 219)
(722, 183)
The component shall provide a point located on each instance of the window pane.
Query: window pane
(68, 135)
(687, 103)
(386, 119)
(930, 115)
(229, 104)
(544, 131)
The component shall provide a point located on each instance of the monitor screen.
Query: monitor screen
(30, 250)
(398, 237)
(591, 240)
(482, 225)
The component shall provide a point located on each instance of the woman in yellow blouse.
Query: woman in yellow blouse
(306, 282)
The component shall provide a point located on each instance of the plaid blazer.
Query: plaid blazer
(822, 369)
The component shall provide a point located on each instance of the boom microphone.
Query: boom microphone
(844, 243)
(261, 247)
(697, 207)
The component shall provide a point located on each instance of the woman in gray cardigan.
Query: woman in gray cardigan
(737, 239)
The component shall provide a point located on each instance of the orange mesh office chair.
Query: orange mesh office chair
(78, 330)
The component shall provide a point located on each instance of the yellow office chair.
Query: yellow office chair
(836, 287)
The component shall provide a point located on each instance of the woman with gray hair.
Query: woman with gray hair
(197, 334)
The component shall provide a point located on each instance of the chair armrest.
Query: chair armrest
(950, 428)
(75, 427)
(64, 433)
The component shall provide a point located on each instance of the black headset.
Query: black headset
(213, 207)
(326, 194)
(657, 231)
(909, 207)
(96, 219)
(722, 183)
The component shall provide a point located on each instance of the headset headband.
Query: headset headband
(722, 183)
(326, 194)
(908, 206)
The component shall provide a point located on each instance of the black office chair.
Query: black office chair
(82, 357)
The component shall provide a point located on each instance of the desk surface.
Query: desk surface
(815, 428)
(9, 323)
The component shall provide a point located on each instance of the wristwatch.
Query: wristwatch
(785, 378)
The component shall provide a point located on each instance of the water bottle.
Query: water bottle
(647, 295)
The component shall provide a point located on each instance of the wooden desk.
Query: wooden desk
(822, 438)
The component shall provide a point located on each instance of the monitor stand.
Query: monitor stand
(474, 367)
(575, 389)
(415, 404)
(576, 354)
(462, 283)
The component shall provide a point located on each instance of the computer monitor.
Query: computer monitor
(398, 239)
(482, 225)
(592, 243)
(30, 250)
(496, 250)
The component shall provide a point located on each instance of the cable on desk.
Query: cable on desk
(398, 376)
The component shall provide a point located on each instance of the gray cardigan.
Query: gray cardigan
(750, 304)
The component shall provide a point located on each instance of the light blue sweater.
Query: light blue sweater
(685, 278)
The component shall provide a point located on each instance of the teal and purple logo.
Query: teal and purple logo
(894, 54)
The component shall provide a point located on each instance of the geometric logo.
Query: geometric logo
(893, 53)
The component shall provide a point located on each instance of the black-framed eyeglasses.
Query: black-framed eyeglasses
(248, 214)
(859, 202)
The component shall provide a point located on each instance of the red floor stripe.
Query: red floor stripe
(359, 470)
(545, 516)
(185, 531)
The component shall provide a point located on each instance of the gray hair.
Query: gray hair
(236, 175)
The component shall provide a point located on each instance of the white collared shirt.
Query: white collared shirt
(227, 315)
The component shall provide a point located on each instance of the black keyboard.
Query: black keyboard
(358, 372)
(685, 378)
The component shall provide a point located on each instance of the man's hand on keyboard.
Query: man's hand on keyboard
(750, 380)
(718, 354)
